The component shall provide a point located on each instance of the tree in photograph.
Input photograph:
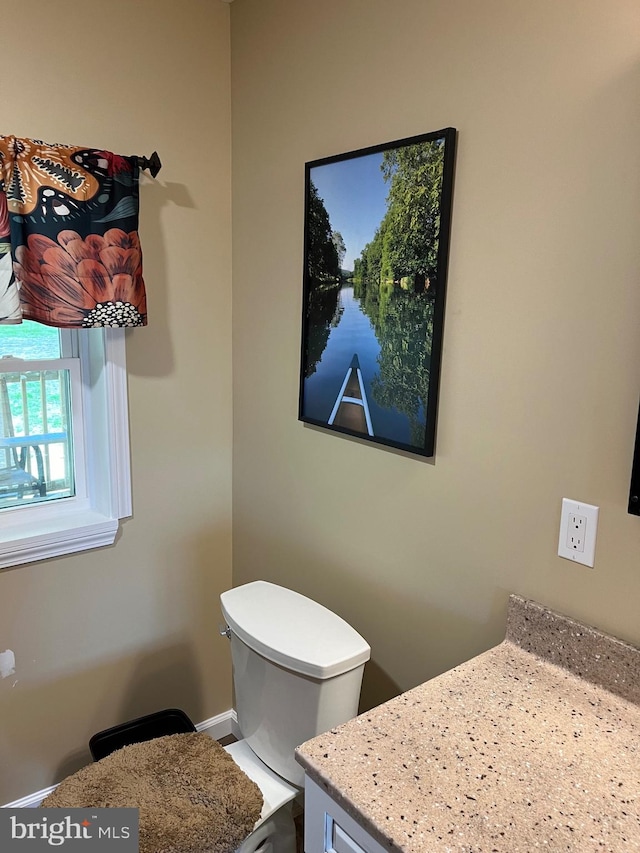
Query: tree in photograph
(323, 270)
(341, 249)
(414, 174)
(372, 255)
(359, 277)
(323, 265)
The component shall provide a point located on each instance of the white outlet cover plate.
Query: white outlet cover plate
(569, 508)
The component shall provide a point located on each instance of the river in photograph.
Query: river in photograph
(352, 332)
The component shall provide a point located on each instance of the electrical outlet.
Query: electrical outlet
(576, 532)
(578, 529)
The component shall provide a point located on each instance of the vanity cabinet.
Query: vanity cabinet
(329, 829)
(530, 745)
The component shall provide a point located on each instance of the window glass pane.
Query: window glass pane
(29, 340)
(36, 448)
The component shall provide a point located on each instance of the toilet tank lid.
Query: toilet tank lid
(292, 630)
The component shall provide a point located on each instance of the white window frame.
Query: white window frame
(91, 519)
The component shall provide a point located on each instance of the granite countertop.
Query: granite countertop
(534, 744)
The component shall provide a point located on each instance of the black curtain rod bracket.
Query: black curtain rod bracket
(152, 163)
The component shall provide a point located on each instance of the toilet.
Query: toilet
(297, 672)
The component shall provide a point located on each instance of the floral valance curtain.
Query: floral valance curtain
(69, 249)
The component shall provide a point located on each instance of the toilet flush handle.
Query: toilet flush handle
(225, 631)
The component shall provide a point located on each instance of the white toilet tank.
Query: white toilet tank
(297, 670)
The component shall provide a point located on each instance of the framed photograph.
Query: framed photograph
(376, 244)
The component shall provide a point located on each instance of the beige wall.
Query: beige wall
(540, 371)
(541, 363)
(111, 634)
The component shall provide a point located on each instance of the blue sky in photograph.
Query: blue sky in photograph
(354, 194)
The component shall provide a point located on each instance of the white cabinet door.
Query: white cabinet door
(329, 829)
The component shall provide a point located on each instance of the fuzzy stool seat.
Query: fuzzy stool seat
(192, 796)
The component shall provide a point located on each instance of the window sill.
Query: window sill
(68, 534)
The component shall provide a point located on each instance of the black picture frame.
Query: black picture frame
(634, 489)
(376, 246)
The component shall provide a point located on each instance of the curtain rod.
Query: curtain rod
(152, 163)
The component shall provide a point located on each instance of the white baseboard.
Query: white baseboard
(223, 725)
(31, 801)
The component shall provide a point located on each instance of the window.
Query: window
(64, 443)
(37, 389)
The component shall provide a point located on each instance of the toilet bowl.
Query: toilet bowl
(297, 672)
(275, 831)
